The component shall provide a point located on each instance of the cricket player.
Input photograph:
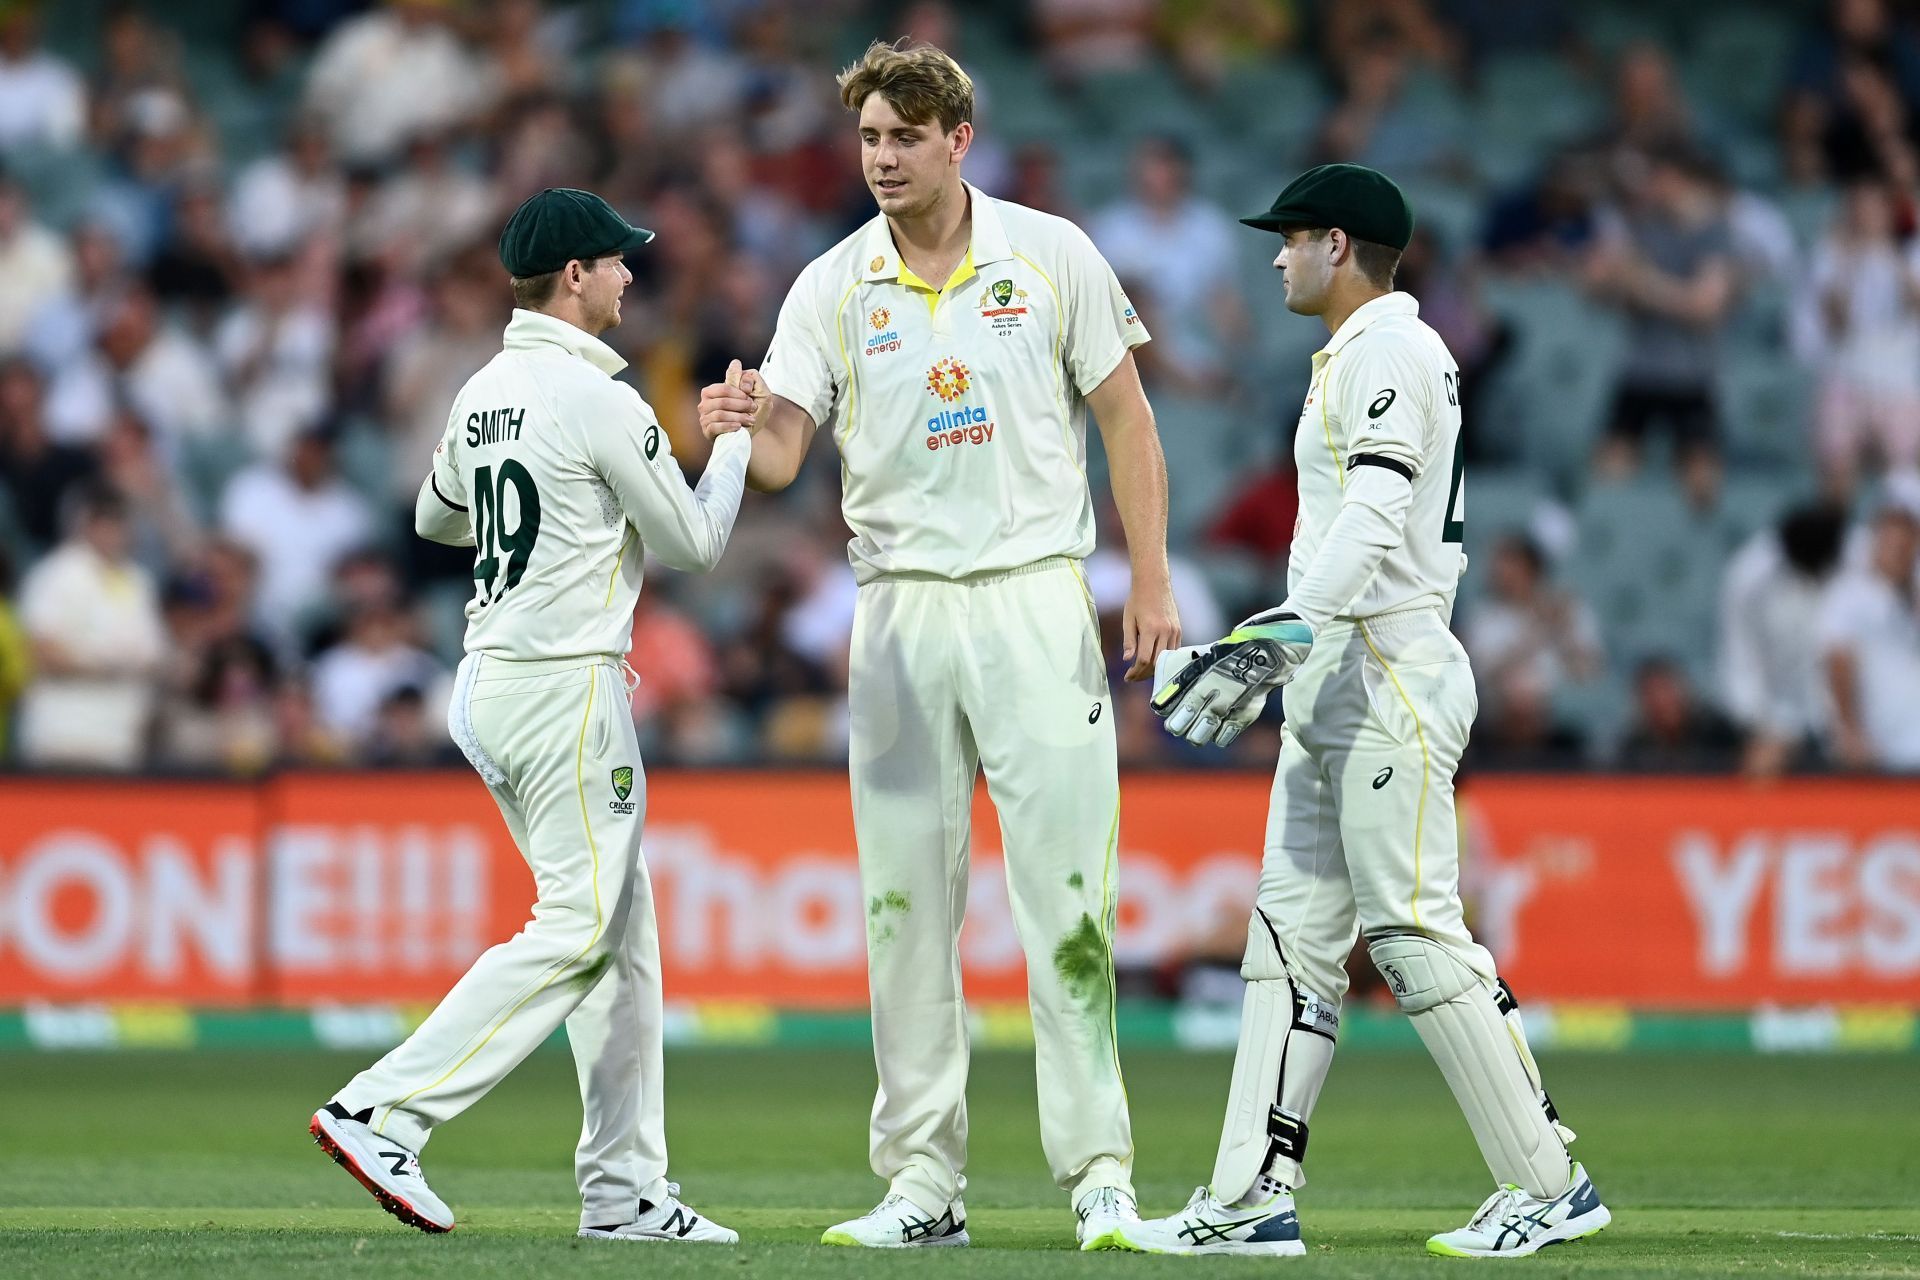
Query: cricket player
(562, 482)
(952, 344)
(1379, 700)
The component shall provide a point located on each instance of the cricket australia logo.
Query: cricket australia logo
(1002, 305)
(622, 788)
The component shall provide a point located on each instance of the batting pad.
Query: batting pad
(1286, 1046)
(1457, 1019)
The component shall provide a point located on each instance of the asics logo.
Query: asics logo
(1380, 778)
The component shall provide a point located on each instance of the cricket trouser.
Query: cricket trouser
(1361, 839)
(555, 743)
(1361, 830)
(1001, 671)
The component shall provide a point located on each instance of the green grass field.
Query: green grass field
(199, 1165)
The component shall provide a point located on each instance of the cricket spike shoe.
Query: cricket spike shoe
(384, 1167)
(669, 1220)
(1208, 1227)
(1512, 1223)
(898, 1223)
(1100, 1214)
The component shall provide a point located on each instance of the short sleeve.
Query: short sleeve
(798, 366)
(1101, 324)
(1845, 615)
(1385, 401)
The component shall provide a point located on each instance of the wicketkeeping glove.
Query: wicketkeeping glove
(1217, 695)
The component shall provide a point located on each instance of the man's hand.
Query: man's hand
(734, 405)
(1149, 626)
(1224, 690)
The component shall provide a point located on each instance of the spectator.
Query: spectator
(1528, 635)
(1356, 26)
(1865, 305)
(689, 82)
(306, 493)
(285, 200)
(1649, 111)
(376, 659)
(1209, 39)
(93, 619)
(223, 719)
(1870, 639)
(276, 351)
(16, 656)
(1079, 38)
(1038, 181)
(1668, 264)
(405, 735)
(36, 469)
(1524, 732)
(384, 78)
(197, 268)
(1375, 124)
(34, 262)
(1184, 247)
(43, 101)
(163, 372)
(1673, 731)
(1852, 90)
(429, 366)
(1549, 224)
(136, 58)
(66, 324)
(1257, 519)
(162, 531)
(426, 212)
(162, 150)
(1775, 688)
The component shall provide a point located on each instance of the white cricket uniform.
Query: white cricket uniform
(1361, 830)
(960, 418)
(1385, 693)
(563, 481)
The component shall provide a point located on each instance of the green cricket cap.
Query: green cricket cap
(1363, 202)
(560, 224)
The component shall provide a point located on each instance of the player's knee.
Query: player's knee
(1420, 972)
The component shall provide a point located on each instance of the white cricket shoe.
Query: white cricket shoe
(384, 1167)
(1100, 1214)
(1206, 1226)
(898, 1223)
(668, 1220)
(1512, 1224)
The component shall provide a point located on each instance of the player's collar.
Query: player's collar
(537, 329)
(1387, 304)
(881, 260)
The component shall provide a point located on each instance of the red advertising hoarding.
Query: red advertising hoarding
(382, 888)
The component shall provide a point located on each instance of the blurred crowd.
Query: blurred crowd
(246, 260)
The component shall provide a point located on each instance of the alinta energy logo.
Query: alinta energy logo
(947, 381)
(884, 339)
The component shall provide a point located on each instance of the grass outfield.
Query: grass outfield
(200, 1165)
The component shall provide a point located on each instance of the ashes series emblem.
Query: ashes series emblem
(622, 788)
(1002, 304)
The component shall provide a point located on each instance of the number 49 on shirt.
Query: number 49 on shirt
(490, 540)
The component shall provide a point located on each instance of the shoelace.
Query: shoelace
(1499, 1205)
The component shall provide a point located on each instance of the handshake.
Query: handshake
(1212, 694)
(738, 404)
